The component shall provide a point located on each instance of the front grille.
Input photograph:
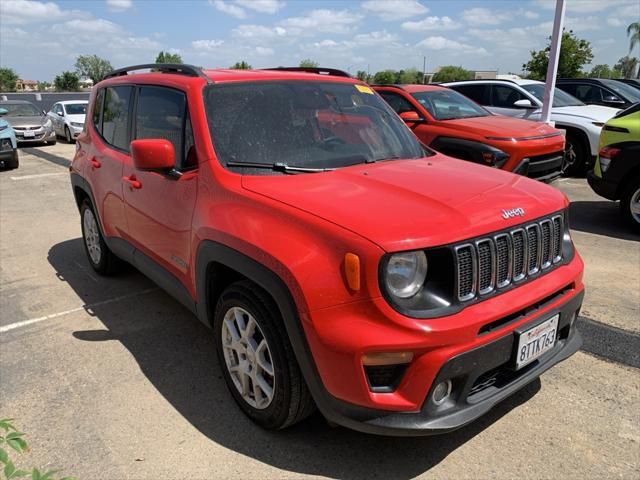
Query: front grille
(494, 262)
(27, 128)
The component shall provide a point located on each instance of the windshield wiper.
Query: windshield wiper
(279, 167)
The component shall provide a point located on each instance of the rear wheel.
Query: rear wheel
(100, 257)
(575, 155)
(630, 203)
(257, 360)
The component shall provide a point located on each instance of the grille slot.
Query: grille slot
(495, 262)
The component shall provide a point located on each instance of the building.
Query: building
(26, 85)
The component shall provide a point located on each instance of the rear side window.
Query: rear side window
(97, 111)
(115, 117)
(162, 113)
(505, 96)
(477, 93)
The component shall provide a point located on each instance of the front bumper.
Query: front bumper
(75, 131)
(43, 135)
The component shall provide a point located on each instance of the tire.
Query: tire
(52, 142)
(100, 257)
(67, 135)
(575, 153)
(630, 203)
(14, 162)
(272, 401)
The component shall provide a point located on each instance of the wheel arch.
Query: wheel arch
(470, 149)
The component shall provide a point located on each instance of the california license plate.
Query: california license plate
(29, 134)
(536, 341)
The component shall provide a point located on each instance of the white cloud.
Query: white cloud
(381, 37)
(119, 5)
(441, 43)
(323, 20)
(263, 6)
(484, 16)
(588, 6)
(22, 12)
(95, 26)
(431, 23)
(581, 24)
(259, 32)
(615, 22)
(530, 15)
(207, 45)
(264, 51)
(228, 8)
(390, 10)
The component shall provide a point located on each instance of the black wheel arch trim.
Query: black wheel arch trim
(473, 148)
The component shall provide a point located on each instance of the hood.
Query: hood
(596, 113)
(26, 121)
(499, 126)
(76, 118)
(407, 204)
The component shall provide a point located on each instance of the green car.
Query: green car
(616, 174)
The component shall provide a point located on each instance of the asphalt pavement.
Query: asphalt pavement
(110, 378)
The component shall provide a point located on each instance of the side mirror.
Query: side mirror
(411, 117)
(60, 114)
(153, 154)
(523, 103)
(613, 99)
(44, 113)
(3, 111)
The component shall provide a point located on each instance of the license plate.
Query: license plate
(29, 134)
(536, 341)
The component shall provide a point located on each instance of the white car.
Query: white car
(68, 118)
(523, 99)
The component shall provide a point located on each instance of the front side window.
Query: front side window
(314, 125)
(623, 90)
(447, 104)
(560, 98)
(115, 117)
(397, 102)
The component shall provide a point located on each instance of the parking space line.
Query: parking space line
(31, 321)
(38, 175)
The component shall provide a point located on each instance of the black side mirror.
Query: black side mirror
(613, 99)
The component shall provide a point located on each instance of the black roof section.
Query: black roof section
(317, 70)
(175, 68)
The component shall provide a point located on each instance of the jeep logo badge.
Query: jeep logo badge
(514, 212)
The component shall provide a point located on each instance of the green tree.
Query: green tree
(8, 79)
(410, 75)
(633, 32)
(42, 86)
(67, 82)
(603, 71)
(385, 77)
(364, 76)
(93, 67)
(242, 65)
(452, 73)
(308, 63)
(627, 66)
(574, 54)
(167, 57)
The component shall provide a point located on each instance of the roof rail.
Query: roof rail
(394, 85)
(177, 68)
(317, 70)
(481, 80)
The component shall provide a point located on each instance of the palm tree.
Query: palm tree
(633, 32)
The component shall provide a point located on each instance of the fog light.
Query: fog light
(441, 392)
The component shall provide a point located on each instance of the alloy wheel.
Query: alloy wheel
(92, 236)
(634, 205)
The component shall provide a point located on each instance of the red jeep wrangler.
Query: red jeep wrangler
(340, 264)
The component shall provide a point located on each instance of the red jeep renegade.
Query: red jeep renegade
(340, 264)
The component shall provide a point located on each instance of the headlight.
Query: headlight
(77, 124)
(405, 273)
(47, 124)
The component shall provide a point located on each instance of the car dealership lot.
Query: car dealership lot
(111, 378)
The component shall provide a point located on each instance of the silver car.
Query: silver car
(68, 118)
(29, 124)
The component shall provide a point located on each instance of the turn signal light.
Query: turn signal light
(387, 358)
(352, 271)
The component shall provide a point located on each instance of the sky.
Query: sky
(41, 39)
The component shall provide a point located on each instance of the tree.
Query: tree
(574, 54)
(603, 71)
(67, 82)
(43, 86)
(364, 76)
(385, 77)
(242, 65)
(92, 66)
(633, 32)
(308, 63)
(627, 66)
(410, 75)
(451, 73)
(8, 79)
(167, 57)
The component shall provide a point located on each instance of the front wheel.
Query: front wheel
(630, 203)
(257, 360)
(67, 135)
(575, 156)
(100, 257)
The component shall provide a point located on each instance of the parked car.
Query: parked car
(600, 91)
(635, 83)
(454, 125)
(340, 263)
(29, 124)
(8, 144)
(523, 99)
(68, 118)
(616, 175)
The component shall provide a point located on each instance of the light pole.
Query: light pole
(554, 57)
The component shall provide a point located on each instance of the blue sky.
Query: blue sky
(41, 39)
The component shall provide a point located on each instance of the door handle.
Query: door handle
(133, 183)
(95, 163)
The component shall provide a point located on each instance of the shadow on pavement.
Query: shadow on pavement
(49, 157)
(601, 217)
(176, 354)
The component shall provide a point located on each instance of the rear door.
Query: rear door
(503, 98)
(160, 205)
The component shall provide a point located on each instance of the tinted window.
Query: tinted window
(160, 114)
(397, 102)
(97, 111)
(115, 117)
(560, 98)
(21, 109)
(448, 104)
(623, 89)
(505, 96)
(477, 93)
(76, 108)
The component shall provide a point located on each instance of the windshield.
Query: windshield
(623, 90)
(76, 108)
(304, 124)
(560, 98)
(449, 105)
(21, 109)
